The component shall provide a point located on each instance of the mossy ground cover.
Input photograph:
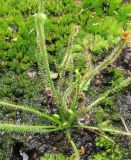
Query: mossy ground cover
(100, 24)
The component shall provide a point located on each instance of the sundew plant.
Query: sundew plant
(67, 92)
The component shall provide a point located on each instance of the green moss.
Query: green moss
(17, 29)
(56, 157)
(108, 7)
(109, 150)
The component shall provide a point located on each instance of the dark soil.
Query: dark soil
(124, 108)
(124, 61)
(39, 144)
